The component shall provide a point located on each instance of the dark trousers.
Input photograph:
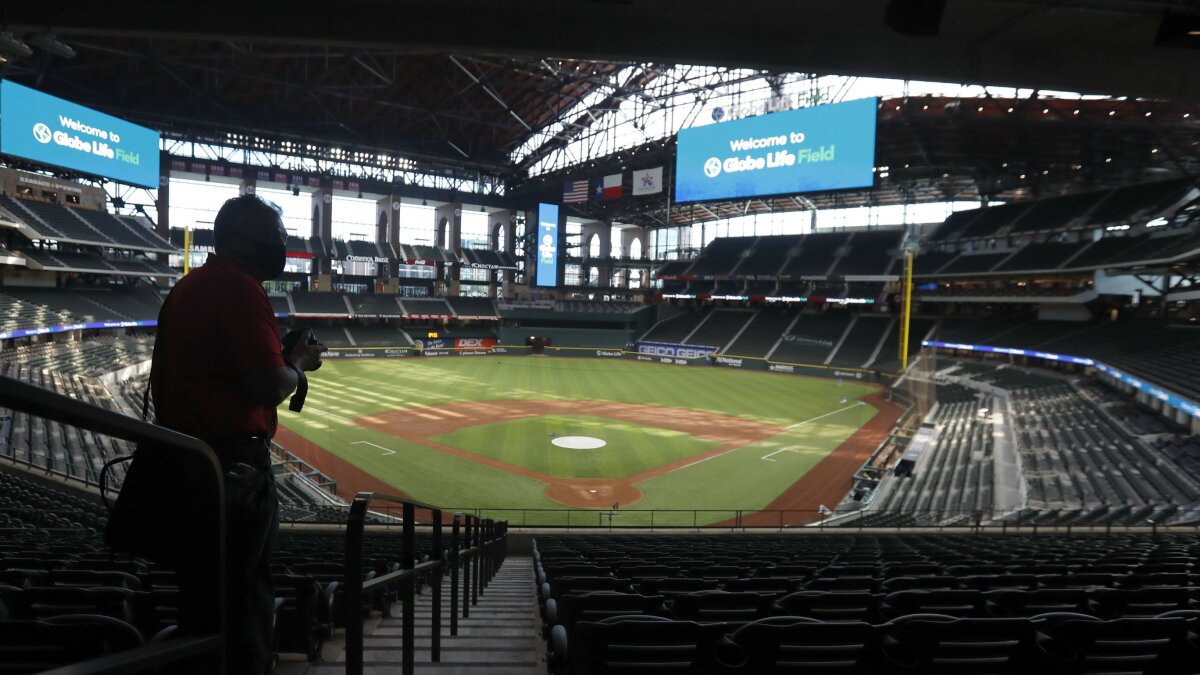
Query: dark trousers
(252, 522)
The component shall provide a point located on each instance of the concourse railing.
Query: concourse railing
(36, 401)
(474, 553)
(842, 518)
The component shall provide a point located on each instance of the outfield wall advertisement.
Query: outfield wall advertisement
(50, 130)
(827, 147)
(674, 350)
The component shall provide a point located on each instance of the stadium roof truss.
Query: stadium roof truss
(460, 95)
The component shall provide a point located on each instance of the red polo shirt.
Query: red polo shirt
(217, 325)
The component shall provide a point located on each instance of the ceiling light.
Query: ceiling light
(1112, 112)
(979, 109)
(50, 44)
(14, 48)
(1075, 113)
(1148, 114)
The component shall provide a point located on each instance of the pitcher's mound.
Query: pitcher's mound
(579, 442)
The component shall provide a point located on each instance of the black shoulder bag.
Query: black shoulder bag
(154, 512)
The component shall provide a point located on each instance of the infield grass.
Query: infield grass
(345, 390)
(629, 448)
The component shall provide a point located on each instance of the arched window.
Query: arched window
(594, 246)
(593, 276)
(635, 249)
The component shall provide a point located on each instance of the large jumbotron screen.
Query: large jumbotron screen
(828, 147)
(50, 130)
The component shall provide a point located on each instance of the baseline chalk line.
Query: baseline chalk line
(386, 451)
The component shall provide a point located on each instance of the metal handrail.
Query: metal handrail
(785, 519)
(407, 575)
(34, 400)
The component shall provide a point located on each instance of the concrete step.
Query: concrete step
(501, 637)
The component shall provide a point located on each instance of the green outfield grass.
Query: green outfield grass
(345, 390)
(630, 447)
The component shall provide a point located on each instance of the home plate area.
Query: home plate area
(579, 442)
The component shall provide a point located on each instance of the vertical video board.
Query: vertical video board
(827, 147)
(54, 131)
(547, 245)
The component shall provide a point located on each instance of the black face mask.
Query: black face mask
(269, 259)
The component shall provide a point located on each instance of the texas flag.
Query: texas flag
(612, 186)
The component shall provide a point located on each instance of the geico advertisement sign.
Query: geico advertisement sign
(680, 351)
(51, 130)
(819, 148)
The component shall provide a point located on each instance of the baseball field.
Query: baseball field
(534, 439)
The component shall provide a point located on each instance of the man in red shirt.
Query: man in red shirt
(219, 372)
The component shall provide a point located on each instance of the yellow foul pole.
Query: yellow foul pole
(906, 309)
(187, 249)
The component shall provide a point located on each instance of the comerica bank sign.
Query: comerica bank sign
(50, 130)
(827, 147)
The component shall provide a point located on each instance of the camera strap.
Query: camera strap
(297, 402)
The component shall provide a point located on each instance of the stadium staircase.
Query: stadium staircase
(501, 636)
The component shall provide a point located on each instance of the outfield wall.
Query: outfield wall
(594, 352)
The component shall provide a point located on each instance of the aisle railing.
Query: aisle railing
(475, 552)
(36, 401)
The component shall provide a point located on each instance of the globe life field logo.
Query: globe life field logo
(41, 133)
(712, 167)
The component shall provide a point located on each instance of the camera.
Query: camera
(293, 337)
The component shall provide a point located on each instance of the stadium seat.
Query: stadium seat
(932, 644)
(625, 644)
(785, 644)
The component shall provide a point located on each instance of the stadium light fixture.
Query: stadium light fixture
(49, 43)
(13, 48)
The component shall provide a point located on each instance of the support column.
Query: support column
(322, 228)
(500, 225)
(387, 234)
(162, 205)
(604, 232)
(529, 262)
(448, 220)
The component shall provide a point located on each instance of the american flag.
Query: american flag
(575, 191)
